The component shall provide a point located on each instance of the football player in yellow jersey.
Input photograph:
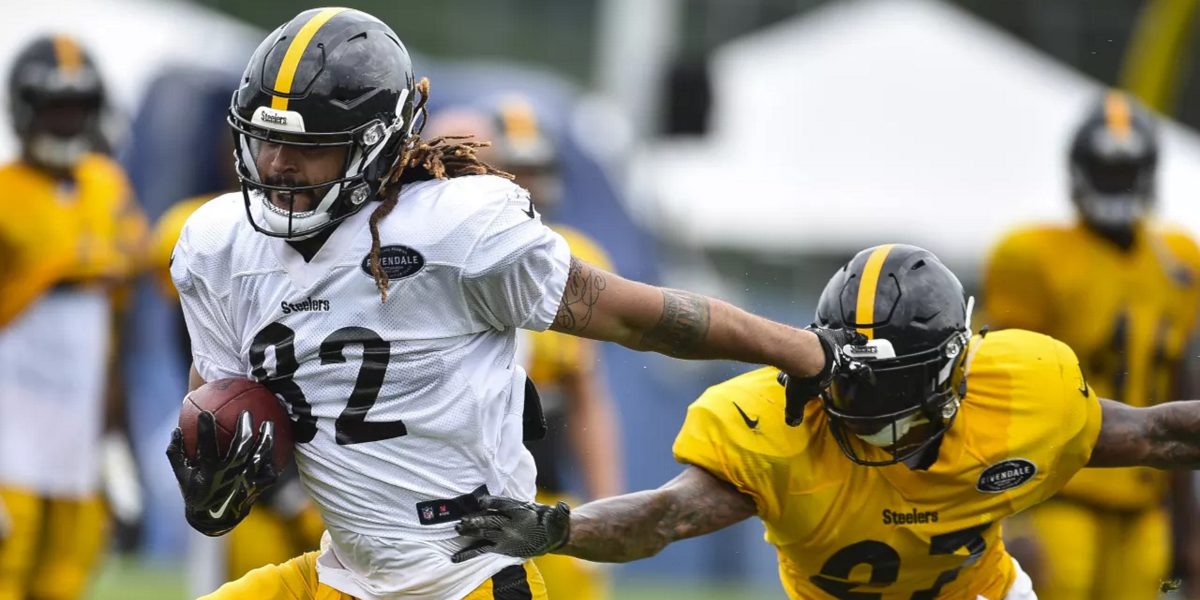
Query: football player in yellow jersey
(1123, 293)
(894, 484)
(64, 262)
(283, 523)
(565, 368)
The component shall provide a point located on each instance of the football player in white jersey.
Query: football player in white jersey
(389, 333)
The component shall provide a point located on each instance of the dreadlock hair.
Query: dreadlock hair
(443, 157)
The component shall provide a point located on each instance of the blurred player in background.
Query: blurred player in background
(284, 523)
(579, 412)
(68, 249)
(1123, 293)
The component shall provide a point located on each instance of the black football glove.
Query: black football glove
(514, 528)
(800, 390)
(219, 491)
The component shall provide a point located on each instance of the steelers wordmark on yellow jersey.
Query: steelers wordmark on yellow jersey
(1027, 423)
(1126, 314)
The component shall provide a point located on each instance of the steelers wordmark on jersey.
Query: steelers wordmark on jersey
(1027, 423)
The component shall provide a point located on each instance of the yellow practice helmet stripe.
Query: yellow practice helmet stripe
(518, 119)
(1117, 115)
(295, 51)
(864, 314)
(68, 54)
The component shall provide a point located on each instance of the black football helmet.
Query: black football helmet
(57, 101)
(1113, 159)
(520, 139)
(519, 142)
(328, 77)
(526, 151)
(900, 392)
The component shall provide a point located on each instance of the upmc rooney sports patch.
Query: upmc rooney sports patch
(397, 261)
(1006, 475)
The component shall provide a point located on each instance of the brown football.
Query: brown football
(226, 399)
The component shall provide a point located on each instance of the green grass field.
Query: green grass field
(127, 579)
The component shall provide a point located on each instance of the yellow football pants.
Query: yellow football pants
(1090, 554)
(266, 538)
(53, 547)
(568, 577)
(296, 579)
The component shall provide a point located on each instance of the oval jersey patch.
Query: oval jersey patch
(397, 261)
(1006, 475)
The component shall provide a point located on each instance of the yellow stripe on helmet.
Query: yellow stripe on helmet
(864, 313)
(1117, 115)
(67, 53)
(295, 51)
(518, 119)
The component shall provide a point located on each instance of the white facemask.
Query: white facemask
(56, 152)
(884, 438)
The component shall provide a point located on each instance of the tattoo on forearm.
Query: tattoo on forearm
(641, 524)
(618, 529)
(1175, 436)
(1166, 436)
(682, 326)
(584, 286)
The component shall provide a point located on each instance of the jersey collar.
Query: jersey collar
(305, 274)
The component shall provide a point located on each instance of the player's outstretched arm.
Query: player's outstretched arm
(618, 529)
(640, 525)
(602, 306)
(1166, 436)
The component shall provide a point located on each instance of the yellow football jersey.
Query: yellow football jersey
(1127, 315)
(166, 234)
(90, 231)
(1027, 423)
(553, 355)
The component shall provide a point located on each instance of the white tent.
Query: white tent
(883, 120)
(131, 40)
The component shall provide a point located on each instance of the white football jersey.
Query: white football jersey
(394, 403)
(53, 375)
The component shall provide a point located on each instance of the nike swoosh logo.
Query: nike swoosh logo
(530, 211)
(751, 423)
(217, 514)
